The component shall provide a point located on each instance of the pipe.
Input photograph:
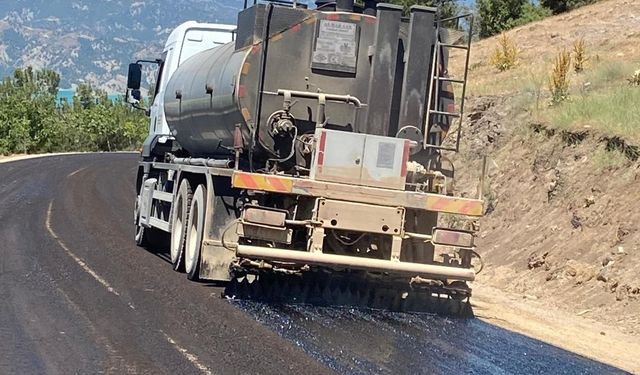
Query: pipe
(263, 67)
(416, 83)
(383, 72)
(216, 163)
(330, 260)
(482, 177)
(426, 237)
(314, 95)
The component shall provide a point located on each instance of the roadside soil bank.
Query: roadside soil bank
(561, 236)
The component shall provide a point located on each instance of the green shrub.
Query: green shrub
(604, 159)
(31, 121)
(530, 13)
(608, 74)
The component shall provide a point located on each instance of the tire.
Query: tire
(140, 233)
(148, 238)
(195, 232)
(179, 218)
(139, 230)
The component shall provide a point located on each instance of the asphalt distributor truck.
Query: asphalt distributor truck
(310, 143)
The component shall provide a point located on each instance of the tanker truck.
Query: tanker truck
(310, 141)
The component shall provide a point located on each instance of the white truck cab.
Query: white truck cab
(184, 41)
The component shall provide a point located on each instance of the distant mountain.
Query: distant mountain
(93, 41)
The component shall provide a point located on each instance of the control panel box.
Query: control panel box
(360, 159)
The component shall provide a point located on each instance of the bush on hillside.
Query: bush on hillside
(559, 6)
(447, 8)
(530, 13)
(579, 55)
(559, 79)
(505, 55)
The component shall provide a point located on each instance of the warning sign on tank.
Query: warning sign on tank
(336, 46)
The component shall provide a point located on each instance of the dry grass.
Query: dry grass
(607, 74)
(604, 159)
(612, 111)
(602, 95)
(611, 29)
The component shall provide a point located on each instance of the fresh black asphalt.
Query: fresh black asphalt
(77, 296)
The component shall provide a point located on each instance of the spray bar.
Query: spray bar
(331, 260)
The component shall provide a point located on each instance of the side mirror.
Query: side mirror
(135, 76)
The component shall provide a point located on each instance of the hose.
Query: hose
(224, 232)
(480, 259)
(347, 243)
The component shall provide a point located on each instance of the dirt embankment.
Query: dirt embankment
(562, 228)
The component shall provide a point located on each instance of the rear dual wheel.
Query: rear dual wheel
(195, 232)
(179, 220)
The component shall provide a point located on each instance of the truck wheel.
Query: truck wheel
(179, 217)
(195, 232)
(150, 238)
(141, 237)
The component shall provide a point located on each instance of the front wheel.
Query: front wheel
(146, 237)
(139, 233)
(195, 232)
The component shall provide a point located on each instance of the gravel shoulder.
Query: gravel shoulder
(578, 334)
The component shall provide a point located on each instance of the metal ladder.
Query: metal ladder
(433, 103)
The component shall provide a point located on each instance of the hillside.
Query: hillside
(562, 229)
(89, 41)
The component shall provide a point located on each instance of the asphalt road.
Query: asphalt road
(77, 296)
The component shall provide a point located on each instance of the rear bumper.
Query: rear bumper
(356, 193)
(430, 271)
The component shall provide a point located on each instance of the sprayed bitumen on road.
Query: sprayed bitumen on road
(358, 341)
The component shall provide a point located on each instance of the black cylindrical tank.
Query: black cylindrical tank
(201, 105)
(306, 50)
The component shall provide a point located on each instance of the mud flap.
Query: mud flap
(214, 263)
(222, 211)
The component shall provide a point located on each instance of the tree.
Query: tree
(84, 96)
(532, 12)
(559, 6)
(31, 120)
(498, 15)
(447, 8)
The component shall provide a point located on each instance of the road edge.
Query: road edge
(19, 157)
